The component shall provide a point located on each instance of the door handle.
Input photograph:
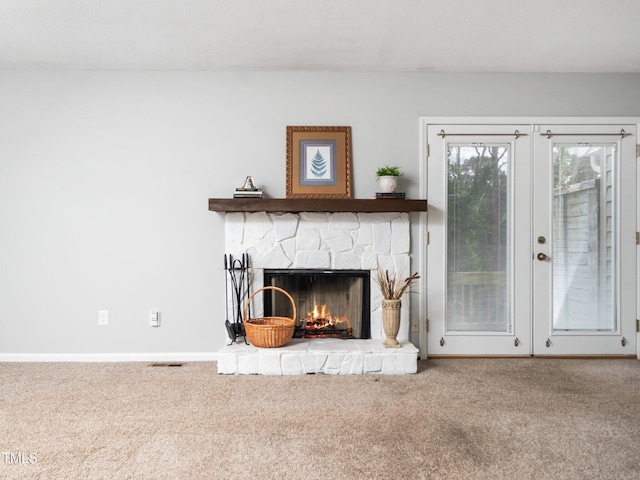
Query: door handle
(542, 257)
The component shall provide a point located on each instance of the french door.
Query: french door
(585, 239)
(532, 239)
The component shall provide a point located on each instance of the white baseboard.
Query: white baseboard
(110, 357)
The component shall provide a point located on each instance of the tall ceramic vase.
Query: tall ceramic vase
(391, 322)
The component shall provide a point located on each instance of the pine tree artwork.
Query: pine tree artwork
(318, 165)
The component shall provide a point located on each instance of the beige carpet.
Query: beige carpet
(457, 419)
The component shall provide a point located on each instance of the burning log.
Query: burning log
(320, 323)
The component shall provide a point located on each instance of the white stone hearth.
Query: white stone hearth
(319, 356)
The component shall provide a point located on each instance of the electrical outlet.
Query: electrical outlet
(154, 318)
(103, 317)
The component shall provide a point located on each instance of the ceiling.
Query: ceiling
(327, 35)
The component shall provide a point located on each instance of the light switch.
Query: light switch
(154, 318)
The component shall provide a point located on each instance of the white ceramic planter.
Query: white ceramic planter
(388, 184)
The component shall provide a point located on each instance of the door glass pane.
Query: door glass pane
(584, 237)
(478, 237)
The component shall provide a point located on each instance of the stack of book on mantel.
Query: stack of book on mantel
(396, 195)
(248, 193)
(248, 190)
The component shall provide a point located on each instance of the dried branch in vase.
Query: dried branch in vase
(393, 287)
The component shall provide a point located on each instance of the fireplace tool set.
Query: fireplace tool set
(236, 279)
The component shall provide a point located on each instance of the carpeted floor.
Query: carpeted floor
(455, 419)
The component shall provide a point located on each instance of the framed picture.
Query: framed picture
(318, 162)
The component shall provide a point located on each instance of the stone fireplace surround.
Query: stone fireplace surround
(322, 240)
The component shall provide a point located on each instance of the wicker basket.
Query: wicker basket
(269, 332)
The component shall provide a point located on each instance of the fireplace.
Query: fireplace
(329, 303)
(323, 241)
(318, 243)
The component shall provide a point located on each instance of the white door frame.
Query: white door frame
(424, 122)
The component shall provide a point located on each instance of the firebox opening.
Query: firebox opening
(329, 303)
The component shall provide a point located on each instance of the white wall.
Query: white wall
(105, 176)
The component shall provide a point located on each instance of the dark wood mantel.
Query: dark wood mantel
(315, 205)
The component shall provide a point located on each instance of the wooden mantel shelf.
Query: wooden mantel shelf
(315, 205)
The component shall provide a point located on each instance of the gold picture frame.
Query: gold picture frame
(318, 162)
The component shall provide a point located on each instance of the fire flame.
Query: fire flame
(320, 318)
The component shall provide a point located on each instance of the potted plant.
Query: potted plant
(392, 288)
(387, 177)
